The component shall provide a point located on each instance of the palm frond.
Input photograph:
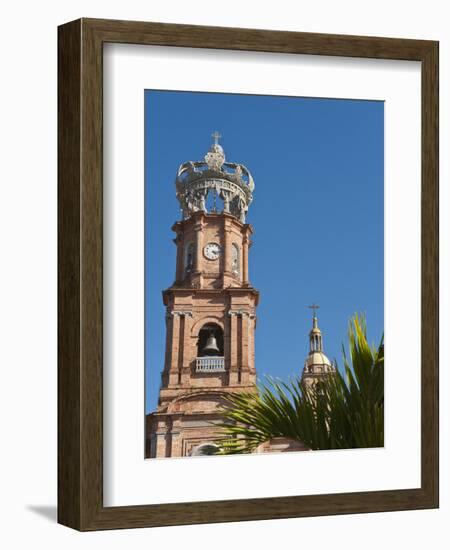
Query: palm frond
(343, 411)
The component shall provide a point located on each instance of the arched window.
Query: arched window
(235, 268)
(317, 342)
(189, 258)
(205, 449)
(210, 341)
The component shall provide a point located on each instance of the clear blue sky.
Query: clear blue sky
(317, 213)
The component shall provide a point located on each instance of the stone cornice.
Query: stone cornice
(181, 313)
(241, 313)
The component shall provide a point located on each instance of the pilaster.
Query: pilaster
(197, 276)
(246, 243)
(227, 277)
(178, 340)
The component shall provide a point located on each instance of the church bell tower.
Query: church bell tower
(210, 308)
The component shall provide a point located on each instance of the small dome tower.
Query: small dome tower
(317, 364)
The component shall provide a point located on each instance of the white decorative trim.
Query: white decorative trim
(241, 313)
(182, 313)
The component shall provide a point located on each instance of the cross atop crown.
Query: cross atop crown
(216, 136)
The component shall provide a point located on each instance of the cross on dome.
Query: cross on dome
(314, 307)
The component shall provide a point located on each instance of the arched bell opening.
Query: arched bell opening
(210, 341)
(210, 352)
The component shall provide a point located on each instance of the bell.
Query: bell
(211, 347)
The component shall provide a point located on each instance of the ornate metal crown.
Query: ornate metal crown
(229, 181)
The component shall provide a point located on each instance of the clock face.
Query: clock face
(212, 251)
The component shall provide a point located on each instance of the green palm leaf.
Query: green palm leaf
(342, 412)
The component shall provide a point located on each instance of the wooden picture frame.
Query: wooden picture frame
(80, 272)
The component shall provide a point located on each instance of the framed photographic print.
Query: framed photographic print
(248, 274)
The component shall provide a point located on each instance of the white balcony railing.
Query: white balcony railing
(210, 364)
